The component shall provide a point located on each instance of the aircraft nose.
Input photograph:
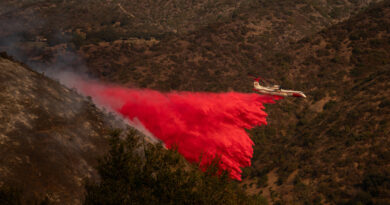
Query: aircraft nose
(300, 95)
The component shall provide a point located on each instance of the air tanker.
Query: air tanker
(275, 90)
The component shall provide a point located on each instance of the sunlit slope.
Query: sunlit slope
(50, 137)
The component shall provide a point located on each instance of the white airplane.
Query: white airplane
(276, 90)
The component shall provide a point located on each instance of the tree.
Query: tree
(139, 173)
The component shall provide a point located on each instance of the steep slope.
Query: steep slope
(219, 53)
(50, 137)
(156, 18)
(338, 149)
(38, 31)
(332, 148)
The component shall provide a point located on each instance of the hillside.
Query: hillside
(337, 151)
(220, 53)
(58, 148)
(39, 31)
(329, 149)
(156, 18)
(50, 137)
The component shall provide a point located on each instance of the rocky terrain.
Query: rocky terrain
(331, 148)
(50, 136)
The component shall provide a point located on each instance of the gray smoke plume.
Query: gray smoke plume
(23, 39)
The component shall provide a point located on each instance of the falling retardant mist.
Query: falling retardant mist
(200, 125)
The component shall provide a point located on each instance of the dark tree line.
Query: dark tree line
(139, 173)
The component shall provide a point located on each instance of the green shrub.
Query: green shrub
(135, 173)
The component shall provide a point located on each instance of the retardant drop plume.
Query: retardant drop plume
(198, 123)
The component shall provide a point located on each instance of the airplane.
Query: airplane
(276, 90)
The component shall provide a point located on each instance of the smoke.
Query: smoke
(199, 124)
(46, 49)
(19, 30)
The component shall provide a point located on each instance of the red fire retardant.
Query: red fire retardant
(198, 124)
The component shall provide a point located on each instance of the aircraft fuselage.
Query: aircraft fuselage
(277, 91)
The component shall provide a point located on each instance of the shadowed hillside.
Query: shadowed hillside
(50, 137)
